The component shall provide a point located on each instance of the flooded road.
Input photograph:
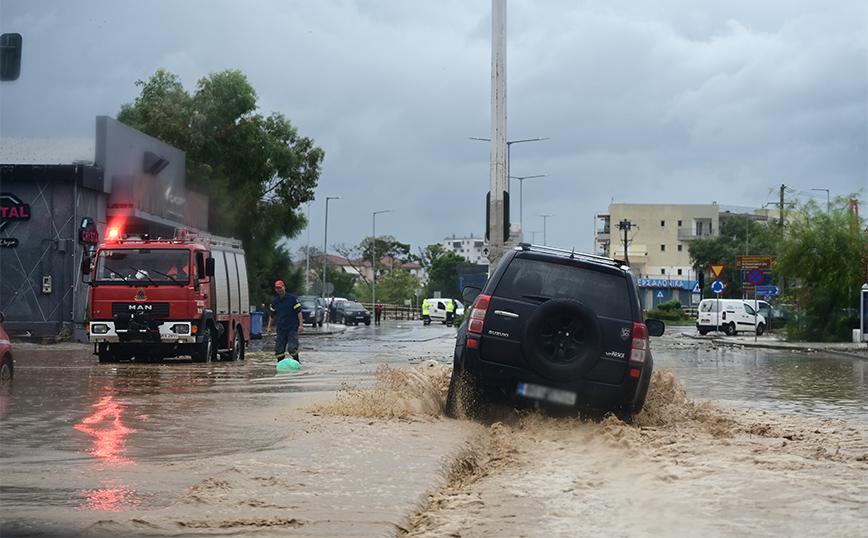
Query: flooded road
(238, 449)
(805, 384)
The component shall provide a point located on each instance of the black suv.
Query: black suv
(557, 328)
(351, 313)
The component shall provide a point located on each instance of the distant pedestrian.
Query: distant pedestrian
(286, 309)
(426, 314)
(378, 309)
(333, 311)
(450, 311)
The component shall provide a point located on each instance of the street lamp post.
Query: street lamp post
(307, 268)
(325, 242)
(509, 144)
(545, 217)
(521, 195)
(827, 198)
(374, 257)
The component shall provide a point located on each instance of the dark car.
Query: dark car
(6, 366)
(312, 310)
(555, 328)
(351, 313)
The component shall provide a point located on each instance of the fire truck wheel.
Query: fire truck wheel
(106, 354)
(205, 352)
(237, 353)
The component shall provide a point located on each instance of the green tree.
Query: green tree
(362, 254)
(740, 234)
(822, 266)
(393, 287)
(256, 170)
(443, 275)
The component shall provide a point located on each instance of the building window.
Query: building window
(679, 224)
(680, 248)
(662, 223)
(662, 271)
(662, 248)
(679, 272)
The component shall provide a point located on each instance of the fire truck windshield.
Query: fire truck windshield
(143, 266)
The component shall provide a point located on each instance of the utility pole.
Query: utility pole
(781, 225)
(498, 173)
(626, 226)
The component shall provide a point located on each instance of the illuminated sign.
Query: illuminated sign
(12, 209)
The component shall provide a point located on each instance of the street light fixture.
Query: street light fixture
(374, 257)
(325, 242)
(827, 198)
(521, 195)
(545, 217)
(509, 144)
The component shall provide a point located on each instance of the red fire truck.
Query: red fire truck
(163, 298)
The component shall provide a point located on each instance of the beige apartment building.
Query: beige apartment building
(655, 239)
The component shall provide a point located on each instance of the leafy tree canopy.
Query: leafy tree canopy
(443, 275)
(256, 170)
(823, 263)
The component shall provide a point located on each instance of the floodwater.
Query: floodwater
(236, 448)
(805, 384)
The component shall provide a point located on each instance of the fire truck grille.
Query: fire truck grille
(154, 310)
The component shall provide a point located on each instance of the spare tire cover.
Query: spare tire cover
(562, 339)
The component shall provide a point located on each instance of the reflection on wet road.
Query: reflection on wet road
(96, 437)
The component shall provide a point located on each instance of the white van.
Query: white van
(729, 316)
(437, 309)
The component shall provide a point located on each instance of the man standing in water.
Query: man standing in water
(287, 310)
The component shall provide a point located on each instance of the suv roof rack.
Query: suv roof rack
(573, 254)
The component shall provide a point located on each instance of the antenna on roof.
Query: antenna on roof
(573, 254)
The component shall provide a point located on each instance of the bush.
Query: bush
(668, 311)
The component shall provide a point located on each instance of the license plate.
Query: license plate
(539, 392)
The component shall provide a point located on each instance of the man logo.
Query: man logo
(140, 308)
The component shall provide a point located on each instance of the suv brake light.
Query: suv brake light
(639, 347)
(477, 314)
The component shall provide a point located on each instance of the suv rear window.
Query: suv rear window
(606, 293)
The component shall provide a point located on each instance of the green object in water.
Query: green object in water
(287, 365)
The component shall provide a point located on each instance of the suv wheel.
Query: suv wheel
(562, 339)
(464, 399)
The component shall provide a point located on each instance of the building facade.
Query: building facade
(468, 247)
(655, 240)
(59, 196)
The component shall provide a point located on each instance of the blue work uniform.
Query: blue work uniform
(285, 313)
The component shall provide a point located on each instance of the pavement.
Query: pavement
(777, 341)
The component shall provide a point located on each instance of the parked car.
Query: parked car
(6, 366)
(312, 310)
(555, 328)
(351, 313)
(729, 316)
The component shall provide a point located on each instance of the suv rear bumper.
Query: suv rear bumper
(589, 394)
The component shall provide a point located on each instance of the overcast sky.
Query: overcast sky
(672, 101)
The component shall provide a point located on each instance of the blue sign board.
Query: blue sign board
(472, 275)
(667, 283)
(767, 290)
(717, 286)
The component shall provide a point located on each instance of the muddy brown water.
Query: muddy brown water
(353, 444)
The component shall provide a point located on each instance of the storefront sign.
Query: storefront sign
(88, 234)
(12, 209)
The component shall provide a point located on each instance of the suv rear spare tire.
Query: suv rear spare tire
(562, 339)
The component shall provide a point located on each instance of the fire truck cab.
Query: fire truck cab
(163, 298)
